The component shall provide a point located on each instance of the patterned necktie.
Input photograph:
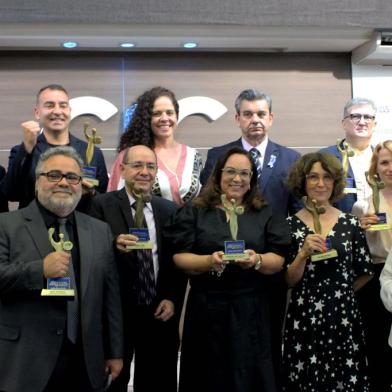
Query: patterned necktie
(146, 288)
(255, 154)
(72, 306)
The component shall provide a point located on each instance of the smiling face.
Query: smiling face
(163, 118)
(140, 169)
(319, 184)
(232, 183)
(52, 111)
(254, 120)
(59, 197)
(384, 166)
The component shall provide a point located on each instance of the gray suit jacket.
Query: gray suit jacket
(32, 327)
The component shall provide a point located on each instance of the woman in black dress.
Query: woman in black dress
(226, 339)
(323, 338)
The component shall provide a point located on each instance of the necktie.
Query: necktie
(146, 289)
(255, 154)
(72, 306)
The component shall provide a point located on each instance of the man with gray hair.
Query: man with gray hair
(254, 117)
(60, 311)
(358, 123)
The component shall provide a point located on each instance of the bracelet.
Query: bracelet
(258, 263)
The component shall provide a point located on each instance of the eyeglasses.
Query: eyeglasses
(244, 174)
(139, 166)
(314, 179)
(57, 176)
(356, 117)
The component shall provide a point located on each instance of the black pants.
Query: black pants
(154, 344)
(376, 322)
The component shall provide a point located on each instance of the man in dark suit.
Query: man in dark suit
(49, 343)
(150, 324)
(359, 122)
(50, 128)
(254, 117)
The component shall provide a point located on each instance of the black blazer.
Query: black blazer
(115, 209)
(32, 327)
(277, 163)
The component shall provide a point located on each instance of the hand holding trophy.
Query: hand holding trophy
(59, 286)
(377, 184)
(316, 211)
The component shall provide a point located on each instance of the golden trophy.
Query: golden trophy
(346, 152)
(90, 172)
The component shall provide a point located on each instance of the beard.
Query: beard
(60, 206)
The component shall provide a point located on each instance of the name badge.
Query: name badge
(382, 223)
(329, 254)
(58, 287)
(235, 250)
(350, 186)
(89, 173)
(144, 238)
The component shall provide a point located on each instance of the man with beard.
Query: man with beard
(49, 129)
(152, 289)
(49, 343)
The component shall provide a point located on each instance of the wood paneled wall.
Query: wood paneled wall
(308, 91)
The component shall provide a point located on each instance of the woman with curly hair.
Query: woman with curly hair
(329, 261)
(226, 343)
(153, 124)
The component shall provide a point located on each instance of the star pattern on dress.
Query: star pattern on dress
(322, 328)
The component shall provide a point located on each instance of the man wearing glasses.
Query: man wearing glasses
(52, 339)
(49, 128)
(359, 122)
(152, 289)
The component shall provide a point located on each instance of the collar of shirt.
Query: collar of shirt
(50, 219)
(261, 147)
(132, 200)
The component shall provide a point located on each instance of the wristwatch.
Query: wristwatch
(258, 263)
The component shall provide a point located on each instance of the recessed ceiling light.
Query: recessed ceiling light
(70, 44)
(190, 45)
(127, 45)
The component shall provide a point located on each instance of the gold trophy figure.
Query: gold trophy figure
(316, 211)
(346, 152)
(59, 287)
(90, 172)
(377, 184)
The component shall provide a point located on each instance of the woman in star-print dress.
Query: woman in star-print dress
(323, 337)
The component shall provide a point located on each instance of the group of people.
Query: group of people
(280, 251)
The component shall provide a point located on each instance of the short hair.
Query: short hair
(66, 151)
(53, 87)
(387, 144)
(358, 101)
(126, 151)
(252, 95)
(210, 195)
(139, 129)
(302, 167)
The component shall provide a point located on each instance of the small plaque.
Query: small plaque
(144, 238)
(382, 223)
(90, 174)
(350, 186)
(235, 250)
(329, 254)
(58, 287)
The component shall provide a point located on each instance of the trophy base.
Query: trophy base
(92, 181)
(232, 257)
(379, 227)
(324, 256)
(350, 190)
(140, 245)
(57, 293)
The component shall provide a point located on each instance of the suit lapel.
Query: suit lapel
(36, 227)
(125, 208)
(157, 220)
(271, 156)
(86, 249)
